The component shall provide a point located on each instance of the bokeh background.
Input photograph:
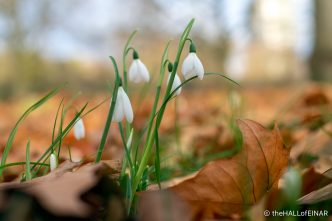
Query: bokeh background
(45, 43)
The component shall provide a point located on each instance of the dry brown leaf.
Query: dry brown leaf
(225, 187)
(322, 194)
(312, 180)
(65, 191)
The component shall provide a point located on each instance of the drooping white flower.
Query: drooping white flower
(79, 130)
(53, 162)
(123, 107)
(176, 82)
(192, 65)
(138, 71)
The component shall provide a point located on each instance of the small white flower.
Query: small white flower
(176, 83)
(79, 130)
(53, 162)
(138, 71)
(123, 107)
(192, 66)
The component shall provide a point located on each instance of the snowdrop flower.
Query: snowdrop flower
(53, 162)
(176, 82)
(123, 107)
(192, 66)
(79, 130)
(138, 71)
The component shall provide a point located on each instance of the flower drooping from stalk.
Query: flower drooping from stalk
(176, 82)
(123, 107)
(192, 66)
(137, 70)
(53, 162)
(79, 130)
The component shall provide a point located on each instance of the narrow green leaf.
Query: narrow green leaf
(19, 122)
(110, 112)
(60, 136)
(27, 160)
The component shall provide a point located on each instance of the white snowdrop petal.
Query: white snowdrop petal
(192, 66)
(176, 83)
(143, 71)
(126, 106)
(185, 65)
(118, 110)
(53, 162)
(188, 67)
(138, 72)
(199, 67)
(133, 71)
(79, 130)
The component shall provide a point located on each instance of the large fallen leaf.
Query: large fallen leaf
(226, 187)
(72, 192)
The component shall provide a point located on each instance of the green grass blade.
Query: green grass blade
(110, 112)
(56, 119)
(150, 137)
(48, 152)
(19, 122)
(60, 129)
(27, 161)
(157, 159)
(127, 153)
(22, 164)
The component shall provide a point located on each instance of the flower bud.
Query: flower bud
(53, 162)
(79, 130)
(192, 65)
(123, 108)
(137, 70)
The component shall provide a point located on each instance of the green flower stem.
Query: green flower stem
(48, 152)
(125, 52)
(56, 119)
(127, 156)
(151, 135)
(110, 112)
(27, 160)
(163, 65)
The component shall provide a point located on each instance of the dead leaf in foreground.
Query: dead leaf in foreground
(225, 187)
(70, 192)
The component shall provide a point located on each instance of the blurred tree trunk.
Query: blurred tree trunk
(321, 62)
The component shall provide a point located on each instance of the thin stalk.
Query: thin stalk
(157, 159)
(12, 135)
(23, 163)
(124, 55)
(27, 160)
(60, 129)
(110, 112)
(127, 153)
(69, 152)
(149, 144)
(56, 119)
(48, 152)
